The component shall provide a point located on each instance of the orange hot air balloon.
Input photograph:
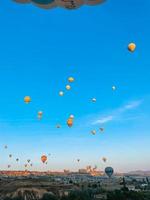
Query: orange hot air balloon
(132, 47)
(27, 99)
(70, 122)
(43, 158)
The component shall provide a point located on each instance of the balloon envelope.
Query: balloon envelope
(43, 158)
(109, 171)
(131, 47)
(70, 122)
(67, 4)
(27, 99)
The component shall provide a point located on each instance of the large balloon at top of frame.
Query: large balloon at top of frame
(67, 4)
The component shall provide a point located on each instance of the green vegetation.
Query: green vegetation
(128, 195)
(90, 195)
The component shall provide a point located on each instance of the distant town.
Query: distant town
(61, 185)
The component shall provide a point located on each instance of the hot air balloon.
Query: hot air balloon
(68, 87)
(94, 2)
(58, 126)
(43, 158)
(28, 160)
(71, 79)
(31, 164)
(61, 93)
(71, 117)
(78, 160)
(40, 115)
(93, 132)
(9, 166)
(101, 129)
(113, 88)
(17, 159)
(104, 159)
(70, 122)
(67, 4)
(10, 156)
(27, 99)
(94, 100)
(132, 47)
(6, 147)
(109, 171)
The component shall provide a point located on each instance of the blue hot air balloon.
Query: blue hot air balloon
(109, 171)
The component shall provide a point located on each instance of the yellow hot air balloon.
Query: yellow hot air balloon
(27, 99)
(68, 87)
(71, 79)
(44, 158)
(70, 122)
(132, 47)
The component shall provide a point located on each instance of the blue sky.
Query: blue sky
(40, 49)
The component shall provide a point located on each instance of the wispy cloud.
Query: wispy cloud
(104, 119)
(117, 114)
(131, 105)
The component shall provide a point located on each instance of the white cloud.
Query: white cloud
(131, 105)
(117, 114)
(104, 120)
